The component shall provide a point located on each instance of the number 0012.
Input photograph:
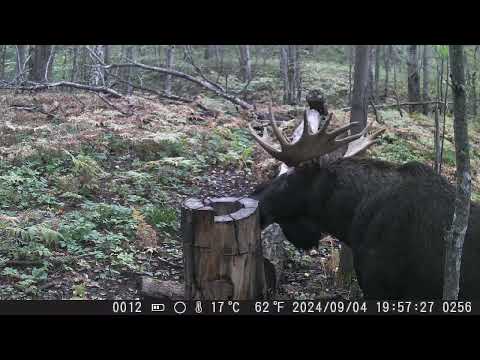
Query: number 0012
(127, 307)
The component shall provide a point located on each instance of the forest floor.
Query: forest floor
(90, 196)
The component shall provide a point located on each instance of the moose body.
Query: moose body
(394, 217)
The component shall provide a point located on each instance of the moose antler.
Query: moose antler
(363, 142)
(310, 145)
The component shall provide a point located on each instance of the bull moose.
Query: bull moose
(393, 216)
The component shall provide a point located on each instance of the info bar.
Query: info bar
(231, 307)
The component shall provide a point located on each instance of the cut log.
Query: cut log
(161, 290)
(222, 249)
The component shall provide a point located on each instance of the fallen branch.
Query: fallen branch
(163, 94)
(381, 106)
(217, 89)
(169, 263)
(43, 86)
(398, 103)
(158, 289)
(32, 109)
(114, 106)
(377, 117)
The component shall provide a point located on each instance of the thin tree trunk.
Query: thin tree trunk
(377, 70)
(129, 73)
(106, 60)
(395, 76)
(473, 91)
(445, 99)
(358, 114)
(456, 235)
(426, 78)
(360, 92)
(169, 65)
(371, 80)
(292, 73)
(39, 61)
(245, 63)
(351, 59)
(209, 52)
(438, 158)
(413, 77)
(387, 56)
(98, 73)
(73, 74)
(20, 62)
(298, 76)
(284, 72)
(64, 67)
(50, 61)
(2, 69)
(82, 63)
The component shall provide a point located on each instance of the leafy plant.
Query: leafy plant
(163, 218)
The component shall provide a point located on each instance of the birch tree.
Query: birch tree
(456, 234)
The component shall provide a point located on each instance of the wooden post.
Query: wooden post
(222, 249)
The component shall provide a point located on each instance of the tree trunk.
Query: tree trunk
(395, 76)
(39, 60)
(292, 74)
(50, 62)
(73, 74)
(209, 52)
(426, 78)
(64, 66)
(387, 56)
(346, 270)
(413, 77)
(106, 60)
(126, 72)
(222, 250)
(350, 67)
(377, 71)
(245, 63)
(371, 80)
(98, 72)
(473, 89)
(284, 72)
(298, 76)
(456, 235)
(2, 64)
(20, 63)
(360, 92)
(170, 65)
(445, 99)
(82, 65)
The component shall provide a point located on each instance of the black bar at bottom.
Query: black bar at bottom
(275, 307)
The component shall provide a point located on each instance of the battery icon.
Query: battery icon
(158, 307)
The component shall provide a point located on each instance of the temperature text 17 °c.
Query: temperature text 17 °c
(225, 306)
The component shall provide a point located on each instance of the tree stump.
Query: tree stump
(222, 249)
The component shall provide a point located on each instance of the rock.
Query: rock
(274, 254)
(313, 252)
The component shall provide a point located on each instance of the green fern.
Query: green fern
(37, 233)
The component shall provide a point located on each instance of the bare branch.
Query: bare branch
(201, 82)
(37, 87)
